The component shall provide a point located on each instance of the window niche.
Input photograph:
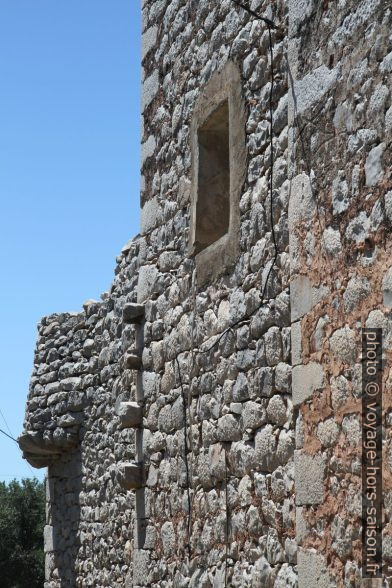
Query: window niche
(218, 173)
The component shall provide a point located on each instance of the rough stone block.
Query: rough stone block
(149, 38)
(373, 166)
(148, 149)
(151, 215)
(133, 313)
(313, 87)
(130, 414)
(309, 478)
(132, 360)
(150, 89)
(312, 570)
(130, 476)
(306, 380)
(147, 278)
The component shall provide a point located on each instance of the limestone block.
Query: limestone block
(306, 380)
(313, 87)
(312, 570)
(148, 149)
(309, 471)
(48, 539)
(130, 414)
(300, 296)
(149, 38)
(299, 11)
(130, 476)
(141, 561)
(149, 89)
(148, 275)
(133, 313)
(296, 343)
(373, 166)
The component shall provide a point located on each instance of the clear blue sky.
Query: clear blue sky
(69, 172)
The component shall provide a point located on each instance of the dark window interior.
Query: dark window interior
(213, 199)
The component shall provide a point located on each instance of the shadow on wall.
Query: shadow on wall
(62, 540)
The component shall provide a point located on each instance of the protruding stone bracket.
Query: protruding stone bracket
(130, 414)
(132, 360)
(41, 452)
(130, 476)
(133, 313)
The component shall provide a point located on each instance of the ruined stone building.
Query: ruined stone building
(201, 424)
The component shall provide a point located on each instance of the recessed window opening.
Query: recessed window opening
(213, 193)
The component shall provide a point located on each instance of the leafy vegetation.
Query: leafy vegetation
(22, 520)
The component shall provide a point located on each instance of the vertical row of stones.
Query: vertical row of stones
(340, 251)
(239, 465)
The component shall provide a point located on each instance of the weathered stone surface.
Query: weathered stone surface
(312, 570)
(307, 379)
(309, 478)
(130, 414)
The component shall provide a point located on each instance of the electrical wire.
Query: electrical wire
(270, 25)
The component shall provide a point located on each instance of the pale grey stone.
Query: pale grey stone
(151, 215)
(148, 149)
(299, 12)
(373, 166)
(331, 241)
(301, 205)
(307, 379)
(343, 345)
(340, 200)
(352, 429)
(327, 432)
(253, 415)
(296, 343)
(357, 289)
(265, 448)
(283, 377)
(168, 538)
(148, 275)
(276, 410)
(312, 570)
(48, 539)
(300, 296)
(313, 87)
(228, 428)
(378, 100)
(149, 89)
(388, 120)
(149, 38)
(309, 478)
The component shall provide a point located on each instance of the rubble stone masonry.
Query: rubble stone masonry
(201, 423)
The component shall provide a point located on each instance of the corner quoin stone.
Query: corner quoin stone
(306, 380)
(309, 478)
(312, 571)
(301, 298)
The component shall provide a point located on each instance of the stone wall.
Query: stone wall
(340, 118)
(166, 412)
